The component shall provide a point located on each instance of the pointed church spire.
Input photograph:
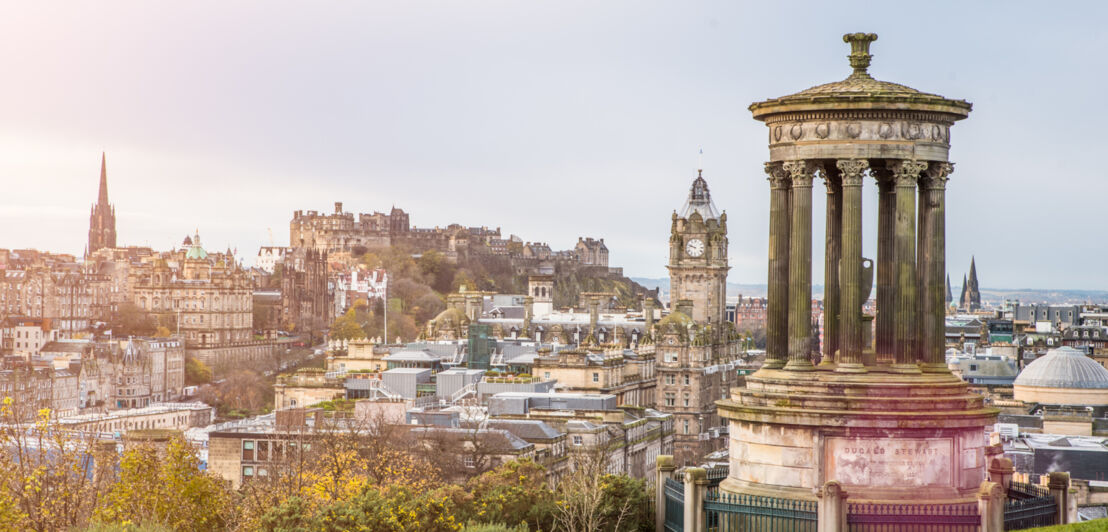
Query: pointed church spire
(103, 197)
(949, 295)
(963, 301)
(974, 289)
(101, 233)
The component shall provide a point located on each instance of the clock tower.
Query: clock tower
(698, 256)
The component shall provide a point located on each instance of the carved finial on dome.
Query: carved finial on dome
(859, 52)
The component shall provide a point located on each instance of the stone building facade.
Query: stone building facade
(305, 297)
(694, 346)
(207, 298)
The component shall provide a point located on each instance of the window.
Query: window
(670, 399)
(578, 440)
(973, 367)
(247, 452)
(595, 377)
(686, 426)
(686, 399)
(686, 380)
(263, 452)
(247, 471)
(470, 462)
(670, 379)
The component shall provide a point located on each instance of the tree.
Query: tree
(514, 493)
(49, 480)
(197, 372)
(346, 327)
(130, 320)
(169, 490)
(592, 499)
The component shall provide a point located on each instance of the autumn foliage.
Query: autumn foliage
(370, 479)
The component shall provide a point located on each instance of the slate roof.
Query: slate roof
(527, 429)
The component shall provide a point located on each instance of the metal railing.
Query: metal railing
(1029, 506)
(675, 505)
(879, 517)
(726, 512)
(462, 392)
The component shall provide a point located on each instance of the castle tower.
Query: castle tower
(101, 225)
(698, 256)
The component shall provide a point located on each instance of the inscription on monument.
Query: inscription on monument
(875, 462)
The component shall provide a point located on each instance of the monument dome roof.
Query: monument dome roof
(1064, 367)
(861, 91)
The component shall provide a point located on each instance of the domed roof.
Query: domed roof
(860, 91)
(196, 252)
(677, 318)
(451, 317)
(1064, 367)
(700, 200)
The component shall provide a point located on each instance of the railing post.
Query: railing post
(990, 504)
(664, 471)
(696, 484)
(1060, 489)
(831, 511)
(1001, 471)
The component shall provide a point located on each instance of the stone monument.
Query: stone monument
(887, 421)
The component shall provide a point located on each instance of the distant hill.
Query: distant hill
(994, 297)
(733, 289)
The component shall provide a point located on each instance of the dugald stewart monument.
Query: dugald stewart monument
(880, 414)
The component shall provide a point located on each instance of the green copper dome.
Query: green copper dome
(196, 252)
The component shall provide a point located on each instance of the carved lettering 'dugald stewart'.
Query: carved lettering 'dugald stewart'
(883, 416)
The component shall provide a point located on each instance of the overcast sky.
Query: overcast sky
(549, 119)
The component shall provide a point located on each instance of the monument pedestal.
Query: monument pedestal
(884, 436)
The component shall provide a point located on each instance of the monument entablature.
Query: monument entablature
(884, 418)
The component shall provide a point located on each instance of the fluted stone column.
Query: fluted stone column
(886, 265)
(833, 252)
(933, 253)
(850, 282)
(906, 173)
(777, 306)
(800, 267)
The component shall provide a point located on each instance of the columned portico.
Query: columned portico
(886, 418)
(850, 271)
(800, 267)
(777, 321)
(832, 257)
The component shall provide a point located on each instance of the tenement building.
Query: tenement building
(886, 420)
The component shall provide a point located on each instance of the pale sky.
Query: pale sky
(550, 119)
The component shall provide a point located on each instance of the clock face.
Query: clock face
(695, 247)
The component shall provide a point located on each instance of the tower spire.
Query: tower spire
(103, 197)
(101, 232)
